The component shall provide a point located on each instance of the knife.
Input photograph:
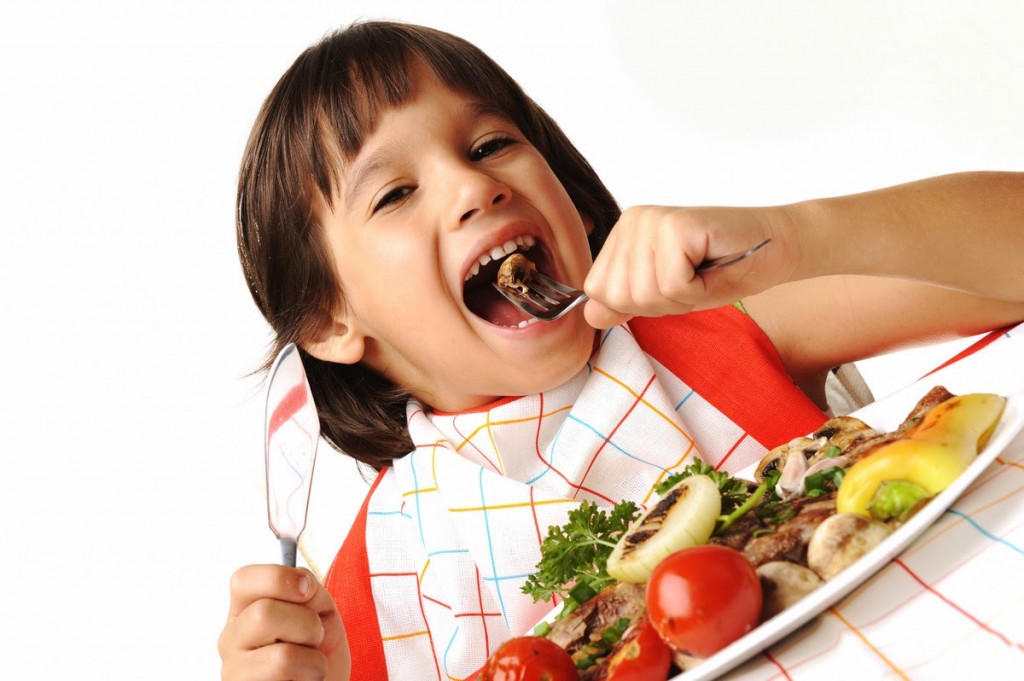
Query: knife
(292, 431)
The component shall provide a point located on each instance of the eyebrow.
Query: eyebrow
(483, 109)
(364, 170)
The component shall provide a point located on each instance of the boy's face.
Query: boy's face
(437, 187)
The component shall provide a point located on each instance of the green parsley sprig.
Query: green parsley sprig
(574, 555)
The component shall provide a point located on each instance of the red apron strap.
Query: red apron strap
(348, 582)
(729, 361)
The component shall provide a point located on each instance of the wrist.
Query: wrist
(795, 232)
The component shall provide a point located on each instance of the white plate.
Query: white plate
(882, 415)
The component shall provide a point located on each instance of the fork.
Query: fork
(548, 299)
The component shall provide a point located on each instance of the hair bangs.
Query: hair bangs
(362, 76)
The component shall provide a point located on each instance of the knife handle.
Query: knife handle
(288, 548)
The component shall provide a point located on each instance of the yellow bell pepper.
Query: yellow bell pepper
(889, 482)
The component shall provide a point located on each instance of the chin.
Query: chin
(555, 369)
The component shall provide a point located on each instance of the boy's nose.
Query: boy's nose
(477, 193)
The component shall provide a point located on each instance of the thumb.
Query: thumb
(601, 316)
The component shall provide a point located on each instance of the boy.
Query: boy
(390, 171)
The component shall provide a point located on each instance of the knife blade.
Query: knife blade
(292, 431)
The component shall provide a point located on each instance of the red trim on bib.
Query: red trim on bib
(973, 348)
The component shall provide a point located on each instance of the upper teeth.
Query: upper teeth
(507, 248)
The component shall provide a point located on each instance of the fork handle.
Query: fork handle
(726, 260)
(288, 550)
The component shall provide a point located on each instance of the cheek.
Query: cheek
(578, 225)
(400, 294)
(380, 268)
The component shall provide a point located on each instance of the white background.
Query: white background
(131, 456)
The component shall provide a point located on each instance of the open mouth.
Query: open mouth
(483, 299)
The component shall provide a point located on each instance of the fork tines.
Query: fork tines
(546, 299)
(543, 292)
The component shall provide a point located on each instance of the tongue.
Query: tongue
(486, 302)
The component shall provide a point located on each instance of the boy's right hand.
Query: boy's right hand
(282, 624)
(646, 266)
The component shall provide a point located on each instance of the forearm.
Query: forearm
(964, 231)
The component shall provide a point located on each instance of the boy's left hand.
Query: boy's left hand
(646, 267)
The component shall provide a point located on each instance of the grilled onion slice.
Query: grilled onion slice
(685, 516)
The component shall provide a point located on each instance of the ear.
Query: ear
(588, 224)
(341, 343)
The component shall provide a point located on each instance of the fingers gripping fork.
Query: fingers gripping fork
(545, 299)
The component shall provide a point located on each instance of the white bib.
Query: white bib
(454, 528)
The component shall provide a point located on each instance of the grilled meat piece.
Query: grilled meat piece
(585, 625)
(740, 532)
(786, 540)
(515, 272)
(789, 540)
(860, 449)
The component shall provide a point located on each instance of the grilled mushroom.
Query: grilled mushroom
(784, 583)
(841, 540)
(777, 457)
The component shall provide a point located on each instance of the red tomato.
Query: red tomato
(642, 656)
(529, 658)
(703, 598)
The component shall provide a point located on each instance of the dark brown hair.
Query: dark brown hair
(315, 118)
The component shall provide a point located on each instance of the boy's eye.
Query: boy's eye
(491, 147)
(392, 197)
